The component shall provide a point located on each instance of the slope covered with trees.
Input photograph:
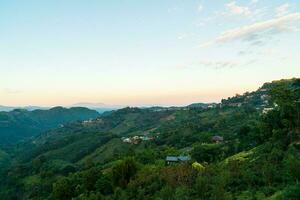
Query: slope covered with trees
(247, 147)
(22, 124)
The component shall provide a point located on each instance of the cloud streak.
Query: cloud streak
(256, 30)
(11, 91)
(219, 64)
(282, 10)
(200, 8)
(238, 10)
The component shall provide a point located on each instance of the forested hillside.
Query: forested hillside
(247, 147)
(22, 124)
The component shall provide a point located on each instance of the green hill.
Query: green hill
(21, 124)
(121, 154)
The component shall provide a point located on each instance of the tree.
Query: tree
(90, 178)
(62, 189)
(197, 166)
(123, 171)
(282, 124)
(207, 152)
(104, 186)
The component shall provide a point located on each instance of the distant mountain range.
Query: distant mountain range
(100, 107)
(29, 108)
(256, 155)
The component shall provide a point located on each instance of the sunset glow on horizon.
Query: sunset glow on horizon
(139, 53)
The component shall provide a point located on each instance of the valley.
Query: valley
(246, 147)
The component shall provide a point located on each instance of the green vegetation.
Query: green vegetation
(257, 157)
(21, 124)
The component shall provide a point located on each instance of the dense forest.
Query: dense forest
(245, 148)
(21, 124)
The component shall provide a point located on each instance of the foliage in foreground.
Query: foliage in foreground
(259, 158)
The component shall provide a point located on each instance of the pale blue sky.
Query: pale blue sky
(135, 52)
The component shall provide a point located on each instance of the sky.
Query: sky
(138, 52)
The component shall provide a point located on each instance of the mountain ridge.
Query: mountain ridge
(122, 154)
(20, 124)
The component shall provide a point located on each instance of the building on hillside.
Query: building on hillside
(263, 90)
(264, 96)
(146, 138)
(177, 159)
(217, 139)
(235, 104)
(184, 158)
(85, 122)
(212, 105)
(136, 139)
(126, 140)
(266, 110)
(171, 159)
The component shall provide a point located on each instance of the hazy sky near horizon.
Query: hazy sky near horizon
(138, 52)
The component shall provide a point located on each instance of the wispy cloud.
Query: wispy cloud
(212, 64)
(234, 9)
(182, 36)
(245, 52)
(200, 8)
(172, 9)
(254, 1)
(11, 91)
(282, 10)
(255, 32)
(218, 64)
